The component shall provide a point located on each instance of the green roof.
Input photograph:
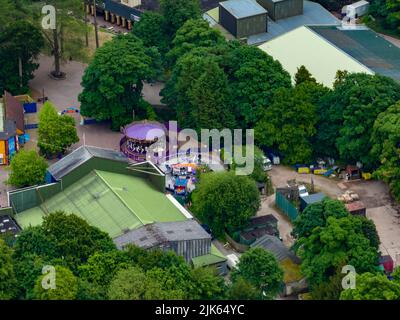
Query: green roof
(214, 257)
(110, 201)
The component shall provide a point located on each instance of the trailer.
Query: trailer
(356, 10)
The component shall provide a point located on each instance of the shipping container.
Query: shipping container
(281, 9)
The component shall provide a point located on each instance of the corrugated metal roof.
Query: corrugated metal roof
(276, 247)
(155, 234)
(303, 46)
(243, 8)
(312, 198)
(80, 156)
(366, 46)
(121, 10)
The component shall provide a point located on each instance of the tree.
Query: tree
(261, 269)
(207, 284)
(20, 45)
(255, 76)
(341, 241)
(385, 141)
(8, 281)
(66, 286)
(134, 284)
(316, 215)
(66, 39)
(289, 124)
(177, 12)
(102, 266)
(209, 99)
(75, 240)
(194, 33)
(56, 132)
(113, 82)
(330, 289)
(224, 200)
(303, 75)
(241, 289)
(27, 169)
(371, 286)
(348, 114)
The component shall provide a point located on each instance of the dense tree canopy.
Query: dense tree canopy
(113, 82)
(385, 141)
(348, 114)
(8, 280)
(387, 13)
(177, 12)
(225, 200)
(261, 269)
(20, 41)
(341, 241)
(289, 124)
(303, 75)
(371, 286)
(27, 169)
(66, 286)
(56, 132)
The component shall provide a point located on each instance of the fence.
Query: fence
(286, 206)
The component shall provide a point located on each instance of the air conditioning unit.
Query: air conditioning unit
(132, 3)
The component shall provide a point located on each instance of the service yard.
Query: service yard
(374, 194)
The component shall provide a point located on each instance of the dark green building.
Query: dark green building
(243, 18)
(281, 9)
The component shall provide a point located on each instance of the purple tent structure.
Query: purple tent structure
(139, 136)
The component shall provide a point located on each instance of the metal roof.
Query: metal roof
(8, 225)
(303, 46)
(80, 156)
(315, 197)
(243, 8)
(366, 46)
(121, 10)
(276, 247)
(152, 235)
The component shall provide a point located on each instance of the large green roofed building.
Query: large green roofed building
(112, 202)
(125, 199)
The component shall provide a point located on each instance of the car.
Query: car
(303, 191)
(267, 164)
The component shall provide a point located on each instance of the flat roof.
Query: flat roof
(366, 46)
(110, 201)
(243, 8)
(303, 46)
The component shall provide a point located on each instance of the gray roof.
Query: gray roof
(276, 247)
(152, 235)
(313, 14)
(7, 224)
(80, 156)
(243, 8)
(315, 197)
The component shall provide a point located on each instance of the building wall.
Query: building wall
(251, 25)
(282, 9)
(288, 8)
(190, 249)
(228, 21)
(3, 152)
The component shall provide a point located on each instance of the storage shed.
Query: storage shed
(281, 9)
(310, 199)
(243, 18)
(356, 208)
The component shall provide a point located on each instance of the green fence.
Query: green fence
(286, 206)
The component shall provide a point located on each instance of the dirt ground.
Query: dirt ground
(374, 194)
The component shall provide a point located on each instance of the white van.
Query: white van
(232, 261)
(267, 164)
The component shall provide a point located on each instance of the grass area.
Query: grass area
(291, 271)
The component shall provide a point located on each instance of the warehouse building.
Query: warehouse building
(281, 9)
(243, 18)
(305, 47)
(127, 200)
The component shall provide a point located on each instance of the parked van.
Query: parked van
(267, 164)
(232, 261)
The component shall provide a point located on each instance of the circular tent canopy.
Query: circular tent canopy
(144, 131)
